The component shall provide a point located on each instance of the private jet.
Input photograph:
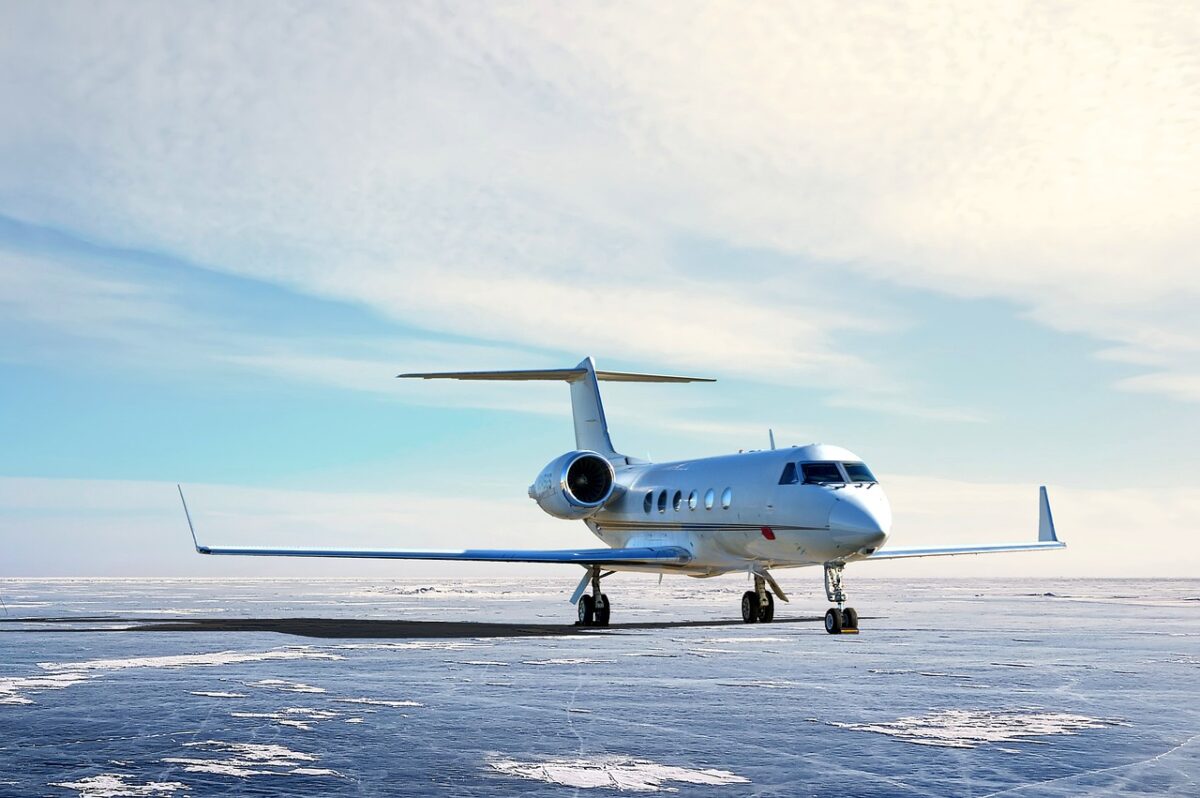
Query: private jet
(753, 512)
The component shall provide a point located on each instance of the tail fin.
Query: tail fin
(591, 428)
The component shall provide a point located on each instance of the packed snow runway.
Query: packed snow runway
(482, 687)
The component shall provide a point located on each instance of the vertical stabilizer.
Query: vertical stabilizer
(591, 428)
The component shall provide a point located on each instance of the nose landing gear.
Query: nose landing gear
(840, 619)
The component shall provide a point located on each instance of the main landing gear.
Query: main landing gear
(594, 609)
(840, 619)
(758, 605)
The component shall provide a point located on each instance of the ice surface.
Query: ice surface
(414, 645)
(379, 702)
(246, 760)
(286, 686)
(963, 728)
(296, 717)
(486, 662)
(12, 688)
(188, 660)
(619, 773)
(216, 694)
(116, 785)
(485, 688)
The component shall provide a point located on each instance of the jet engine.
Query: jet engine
(575, 485)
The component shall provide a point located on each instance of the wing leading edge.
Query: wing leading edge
(669, 555)
(1047, 539)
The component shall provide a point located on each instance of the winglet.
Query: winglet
(199, 548)
(1046, 531)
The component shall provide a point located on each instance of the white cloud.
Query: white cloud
(521, 173)
(1181, 386)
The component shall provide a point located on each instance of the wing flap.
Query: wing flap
(671, 555)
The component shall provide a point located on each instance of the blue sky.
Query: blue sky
(224, 231)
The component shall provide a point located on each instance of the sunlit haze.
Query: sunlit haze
(957, 239)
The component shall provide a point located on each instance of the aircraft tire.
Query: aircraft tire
(767, 614)
(603, 610)
(749, 607)
(850, 618)
(833, 621)
(587, 610)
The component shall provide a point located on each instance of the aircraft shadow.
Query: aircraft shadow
(352, 628)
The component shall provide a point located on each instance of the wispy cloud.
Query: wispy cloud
(520, 185)
(1185, 387)
(986, 153)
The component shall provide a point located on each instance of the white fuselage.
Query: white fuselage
(733, 513)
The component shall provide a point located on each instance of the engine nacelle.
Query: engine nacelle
(575, 485)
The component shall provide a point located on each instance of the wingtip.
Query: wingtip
(186, 514)
(1046, 531)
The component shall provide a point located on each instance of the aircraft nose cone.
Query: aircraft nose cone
(867, 525)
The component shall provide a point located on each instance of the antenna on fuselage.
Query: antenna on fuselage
(771, 435)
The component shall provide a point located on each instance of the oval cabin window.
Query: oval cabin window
(649, 502)
(709, 495)
(726, 498)
(692, 498)
(677, 501)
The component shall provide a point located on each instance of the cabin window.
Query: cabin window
(726, 498)
(821, 473)
(858, 472)
(709, 496)
(662, 501)
(649, 501)
(677, 501)
(693, 497)
(789, 477)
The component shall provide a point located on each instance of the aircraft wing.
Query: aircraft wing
(1047, 539)
(669, 555)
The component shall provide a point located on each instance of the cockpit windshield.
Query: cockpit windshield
(821, 473)
(858, 472)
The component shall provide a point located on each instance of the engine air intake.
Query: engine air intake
(575, 485)
(589, 479)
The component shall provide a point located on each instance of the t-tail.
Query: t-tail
(591, 428)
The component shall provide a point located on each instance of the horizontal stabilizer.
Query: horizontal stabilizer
(587, 411)
(566, 375)
(1047, 540)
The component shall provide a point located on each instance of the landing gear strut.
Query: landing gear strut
(840, 618)
(594, 609)
(758, 605)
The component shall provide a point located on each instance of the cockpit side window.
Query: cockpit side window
(789, 477)
(858, 472)
(821, 473)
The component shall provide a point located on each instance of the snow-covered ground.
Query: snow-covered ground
(480, 687)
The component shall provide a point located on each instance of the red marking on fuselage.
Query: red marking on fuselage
(768, 533)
